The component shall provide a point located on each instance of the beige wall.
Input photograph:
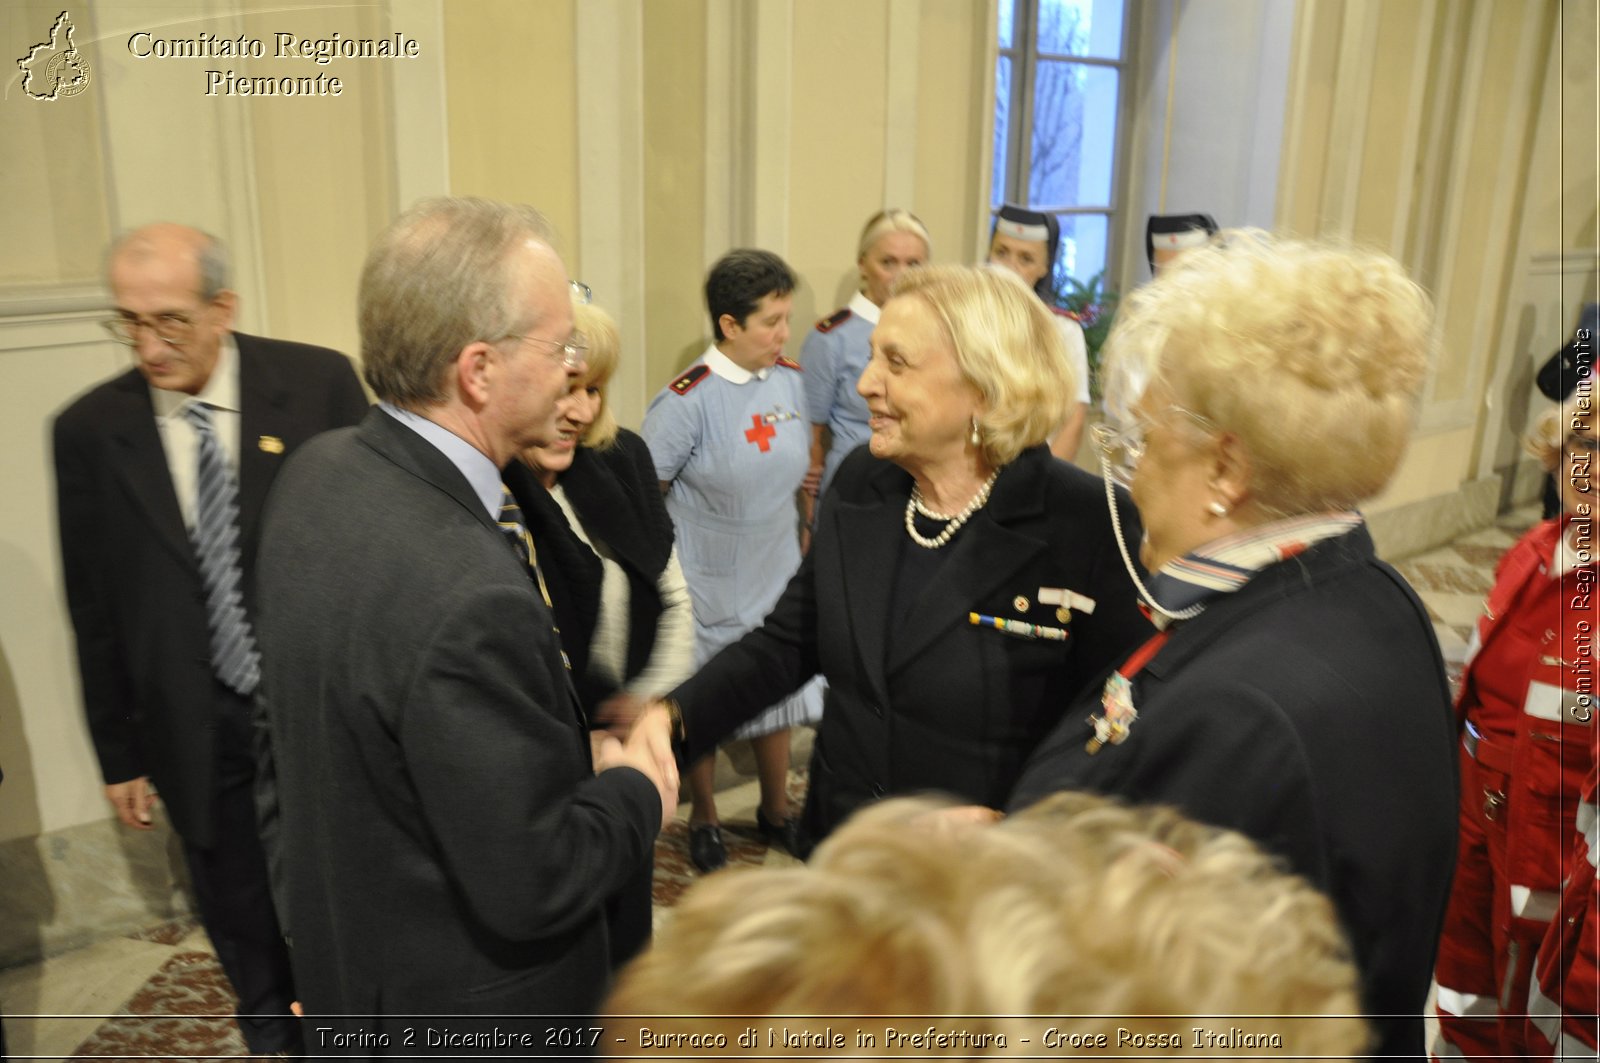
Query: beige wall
(675, 163)
(511, 82)
(1428, 130)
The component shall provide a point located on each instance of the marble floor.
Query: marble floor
(160, 993)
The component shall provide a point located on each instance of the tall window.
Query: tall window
(1056, 100)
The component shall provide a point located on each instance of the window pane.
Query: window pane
(1074, 135)
(1002, 130)
(1081, 27)
(1083, 246)
(1007, 15)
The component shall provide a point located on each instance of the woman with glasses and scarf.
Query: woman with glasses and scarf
(1294, 690)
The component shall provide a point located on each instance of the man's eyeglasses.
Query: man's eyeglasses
(1121, 448)
(173, 329)
(571, 352)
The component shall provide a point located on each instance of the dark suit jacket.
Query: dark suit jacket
(439, 841)
(956, 707)
(133, 584)
(1308, 710)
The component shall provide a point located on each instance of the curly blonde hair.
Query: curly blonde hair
(1312, 355)
(1007, 346)
(1104, 917)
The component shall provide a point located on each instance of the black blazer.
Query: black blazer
(618, 500)
(1308, 710)
(956, 708)
(439, 842)
(132, 582)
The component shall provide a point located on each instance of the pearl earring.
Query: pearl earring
(975, 437)
(1218, 509)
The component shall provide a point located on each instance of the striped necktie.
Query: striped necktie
(516, 532)
(216, 545)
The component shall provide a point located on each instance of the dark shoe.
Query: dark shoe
(785, 835)
(705, 846)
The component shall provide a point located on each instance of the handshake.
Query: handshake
(642, 734)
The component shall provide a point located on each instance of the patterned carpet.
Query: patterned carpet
(185, 1009)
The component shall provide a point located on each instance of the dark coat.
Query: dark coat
(618, 499)
(1308, 710)
(956, 708)
(133, 585)
(439, 842)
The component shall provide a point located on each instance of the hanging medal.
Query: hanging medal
(1117, 714)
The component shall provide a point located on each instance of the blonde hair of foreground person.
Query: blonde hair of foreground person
(1075, 908)
(1312, 354)
(1007, 346)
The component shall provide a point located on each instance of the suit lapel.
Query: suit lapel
(140, 462)
(869, 539)
(421, 459)
(263, 406)
(985, 557)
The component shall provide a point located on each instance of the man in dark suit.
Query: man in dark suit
(442, 844)
(161, 473)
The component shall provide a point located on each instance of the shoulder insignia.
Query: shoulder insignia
(833, 321)
(789, 363)
(1064, 312)
(691, 376)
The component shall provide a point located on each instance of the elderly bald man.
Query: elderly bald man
(161, 473)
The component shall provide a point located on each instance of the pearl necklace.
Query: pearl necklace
(914, 506)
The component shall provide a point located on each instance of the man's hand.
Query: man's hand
(648, 750)
(132, 800)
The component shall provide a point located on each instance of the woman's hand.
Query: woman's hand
(620, 711)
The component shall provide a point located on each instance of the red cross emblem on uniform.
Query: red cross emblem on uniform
(760, 433)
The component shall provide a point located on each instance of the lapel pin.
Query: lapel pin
(1069, 599)
(270, 444)
(1118, 714)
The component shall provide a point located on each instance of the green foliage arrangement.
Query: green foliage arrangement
(1094, 305)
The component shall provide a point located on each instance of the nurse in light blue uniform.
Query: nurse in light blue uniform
(731, 442)
(836, 351)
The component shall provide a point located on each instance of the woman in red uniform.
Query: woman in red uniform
(1527, 749)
